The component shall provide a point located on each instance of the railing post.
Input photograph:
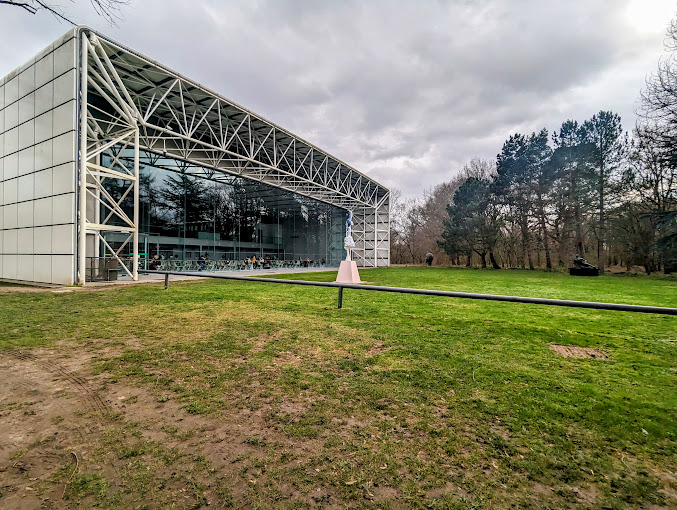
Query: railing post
(340, 300)
(166, 280)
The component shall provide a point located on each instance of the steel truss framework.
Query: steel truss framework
(130, 104)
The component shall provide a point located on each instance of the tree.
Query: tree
(658, 101)
(479, 169)
(513, 184)
(473, 223)
(398, 216)
(541, 176)
(572, 184)
(653, 179)
(110, 10)
(431, 213)
(603, 132)
(658, 130)
(416, 223)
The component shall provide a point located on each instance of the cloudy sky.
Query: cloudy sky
(405, 91)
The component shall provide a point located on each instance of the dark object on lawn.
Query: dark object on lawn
(429, 258)
(583, 268)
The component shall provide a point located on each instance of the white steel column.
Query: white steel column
(135, 247)
(82, 200)
(376, 237)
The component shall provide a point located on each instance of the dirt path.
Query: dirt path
(74, 439)
(46, 410)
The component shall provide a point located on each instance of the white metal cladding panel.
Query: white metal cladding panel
(42, 240)
(372, 237)
(38, 125)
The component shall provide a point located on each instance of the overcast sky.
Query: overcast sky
(406, 92)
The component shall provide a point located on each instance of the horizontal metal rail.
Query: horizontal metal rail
(427, 292)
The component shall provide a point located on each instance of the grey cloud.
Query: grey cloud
(405, 91)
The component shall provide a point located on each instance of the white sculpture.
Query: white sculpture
(347, 272)
(348, 242)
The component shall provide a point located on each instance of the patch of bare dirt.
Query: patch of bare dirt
(377, 349)
(450, 489)
(573, 351)
(9, 289)
(47, 411)
(288, 358)
(60, 417)
(263, 339)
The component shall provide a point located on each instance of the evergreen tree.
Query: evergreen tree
(603, 133)
(572, 185)
(473, 223)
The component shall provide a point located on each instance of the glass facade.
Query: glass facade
(185, 216)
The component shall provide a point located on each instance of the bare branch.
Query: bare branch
(57, 14)
(110, 10)
(23, 5)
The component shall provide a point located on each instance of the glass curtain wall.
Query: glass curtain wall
(184, 217)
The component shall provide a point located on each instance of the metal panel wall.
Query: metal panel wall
(37, 167)
(371, 233)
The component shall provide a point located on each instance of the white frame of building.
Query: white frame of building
(129, 101)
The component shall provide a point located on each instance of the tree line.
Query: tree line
(586, 189)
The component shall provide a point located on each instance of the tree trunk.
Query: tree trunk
(544, 230)
(468, 255)
(493, 260)
(580, 245)
(483, 258)
(600, 237)
(524, 226)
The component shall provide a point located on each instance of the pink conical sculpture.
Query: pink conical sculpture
(347, 272)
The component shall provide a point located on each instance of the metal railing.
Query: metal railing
(188, 265)
(427, 292)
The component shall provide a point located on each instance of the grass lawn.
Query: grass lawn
(257, 395)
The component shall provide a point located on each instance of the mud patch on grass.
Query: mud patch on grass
(377, 349)
(260, 341)
(573, 351)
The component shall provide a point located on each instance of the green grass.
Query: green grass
(447, 403)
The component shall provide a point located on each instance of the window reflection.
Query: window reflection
(186, 213)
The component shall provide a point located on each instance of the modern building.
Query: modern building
(107, 155)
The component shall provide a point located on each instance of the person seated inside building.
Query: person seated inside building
(155, 264)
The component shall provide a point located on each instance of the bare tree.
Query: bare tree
(478, 168)
(110, 10)
(432, 212)
(398, 216)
